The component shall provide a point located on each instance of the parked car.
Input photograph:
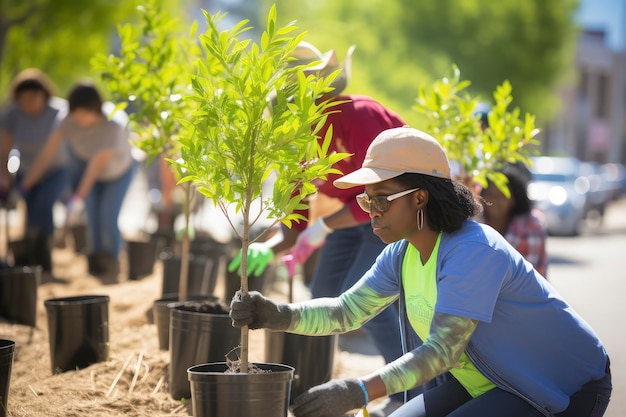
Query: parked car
(560, 192)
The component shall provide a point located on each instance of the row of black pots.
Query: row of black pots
(201, 338)
(142, 254)
(200, 341)
(202, 280)
(77, 326)
(78, 329)
(293, 364)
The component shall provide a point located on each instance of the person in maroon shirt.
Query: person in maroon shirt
(347, 246)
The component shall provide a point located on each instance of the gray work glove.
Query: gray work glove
(332, 399)
(259, 312)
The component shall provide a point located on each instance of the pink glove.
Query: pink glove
(290, 263)
(310, 239)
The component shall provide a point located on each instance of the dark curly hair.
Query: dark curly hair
(450, 203)
(85, 96)
(518, 176)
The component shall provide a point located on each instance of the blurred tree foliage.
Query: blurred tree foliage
(59, 36)
(404, 45)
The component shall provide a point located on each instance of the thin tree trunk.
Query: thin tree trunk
(245, 243)
(184, 255)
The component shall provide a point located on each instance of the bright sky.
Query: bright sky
(605, 14)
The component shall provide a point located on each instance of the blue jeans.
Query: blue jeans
(41, 198)
(103, 205)
(452, 400)
(344, 258)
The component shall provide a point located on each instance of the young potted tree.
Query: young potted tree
(479, 147)
(238, 141)
(149, 77)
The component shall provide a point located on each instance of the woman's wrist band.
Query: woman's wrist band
(367, 397)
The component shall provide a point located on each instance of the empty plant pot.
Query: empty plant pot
(141, 258)
(161, 312)
(78, 331)
(197, 336)
(200, 279)
(18, 294)
(311, 356)
(7, 348)
(215, 393)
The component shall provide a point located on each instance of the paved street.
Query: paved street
(590, 272)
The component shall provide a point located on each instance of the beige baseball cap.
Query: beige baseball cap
(395, 152)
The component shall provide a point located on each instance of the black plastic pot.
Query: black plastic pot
(161, 312)
(141, 258)
(18, 294)
(78, 329)
(7, 348)
(311, 356)
(201, 279)
(215, 393)
(196, 338)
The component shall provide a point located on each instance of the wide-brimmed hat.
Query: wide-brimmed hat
(326, 63)
(395, 152)
(32, 74)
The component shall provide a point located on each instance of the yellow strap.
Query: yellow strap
(365, 413)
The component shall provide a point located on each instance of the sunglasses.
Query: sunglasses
(381, 202)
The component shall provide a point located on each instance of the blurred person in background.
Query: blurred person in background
(33, 113)
(347, 245)
(102, 168)
(523, 226)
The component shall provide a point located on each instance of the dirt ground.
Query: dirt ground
(133, 381)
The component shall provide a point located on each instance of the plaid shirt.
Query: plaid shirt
(528, 235)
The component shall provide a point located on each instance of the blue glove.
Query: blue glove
(259, 255)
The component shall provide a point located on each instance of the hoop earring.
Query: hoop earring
(420, 219)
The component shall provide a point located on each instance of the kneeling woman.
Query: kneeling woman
(513, 346)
